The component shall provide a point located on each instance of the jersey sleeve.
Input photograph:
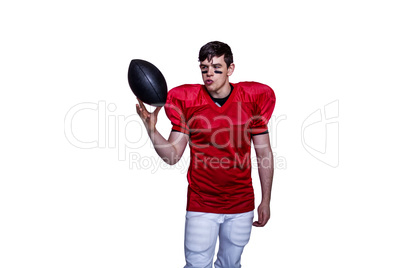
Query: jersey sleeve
(175, 111)
(264, 103)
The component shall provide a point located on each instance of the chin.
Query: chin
(210, 89)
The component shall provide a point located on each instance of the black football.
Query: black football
(147, 82)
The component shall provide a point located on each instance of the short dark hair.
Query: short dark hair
(216, 48)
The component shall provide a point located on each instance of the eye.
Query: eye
(217, 69)
(204, 69)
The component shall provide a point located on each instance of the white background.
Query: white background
(65, 206)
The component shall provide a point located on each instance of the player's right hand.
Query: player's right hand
(149, 119)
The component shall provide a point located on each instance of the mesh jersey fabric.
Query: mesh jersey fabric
(219, 174)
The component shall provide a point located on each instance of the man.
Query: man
(218, 120)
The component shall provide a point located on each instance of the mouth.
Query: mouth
(208, 82)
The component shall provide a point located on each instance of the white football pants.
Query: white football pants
(202, 231)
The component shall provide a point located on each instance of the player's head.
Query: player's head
(216, 64)
(216, 49)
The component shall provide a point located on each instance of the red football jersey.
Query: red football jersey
(219, 174)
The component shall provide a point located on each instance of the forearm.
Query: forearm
(169, 150)
(164, 148)
(266, 173)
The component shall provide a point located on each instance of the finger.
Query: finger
(141, 103)
(156, 112)
(144, 115)
(145, 112)
(261, 219)
(142, 106)
(139, 110)
(264, 219)
(257, 224)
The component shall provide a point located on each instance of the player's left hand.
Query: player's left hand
(264, 213)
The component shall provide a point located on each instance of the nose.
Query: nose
(210, 71)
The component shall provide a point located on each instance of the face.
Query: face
(215, 75)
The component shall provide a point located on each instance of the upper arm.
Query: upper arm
(179, 141)
(263, 152)
(262, 145)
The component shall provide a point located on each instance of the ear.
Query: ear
(231, 69)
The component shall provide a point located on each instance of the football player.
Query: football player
(219, 120)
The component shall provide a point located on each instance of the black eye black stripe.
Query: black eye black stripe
(217, 72)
